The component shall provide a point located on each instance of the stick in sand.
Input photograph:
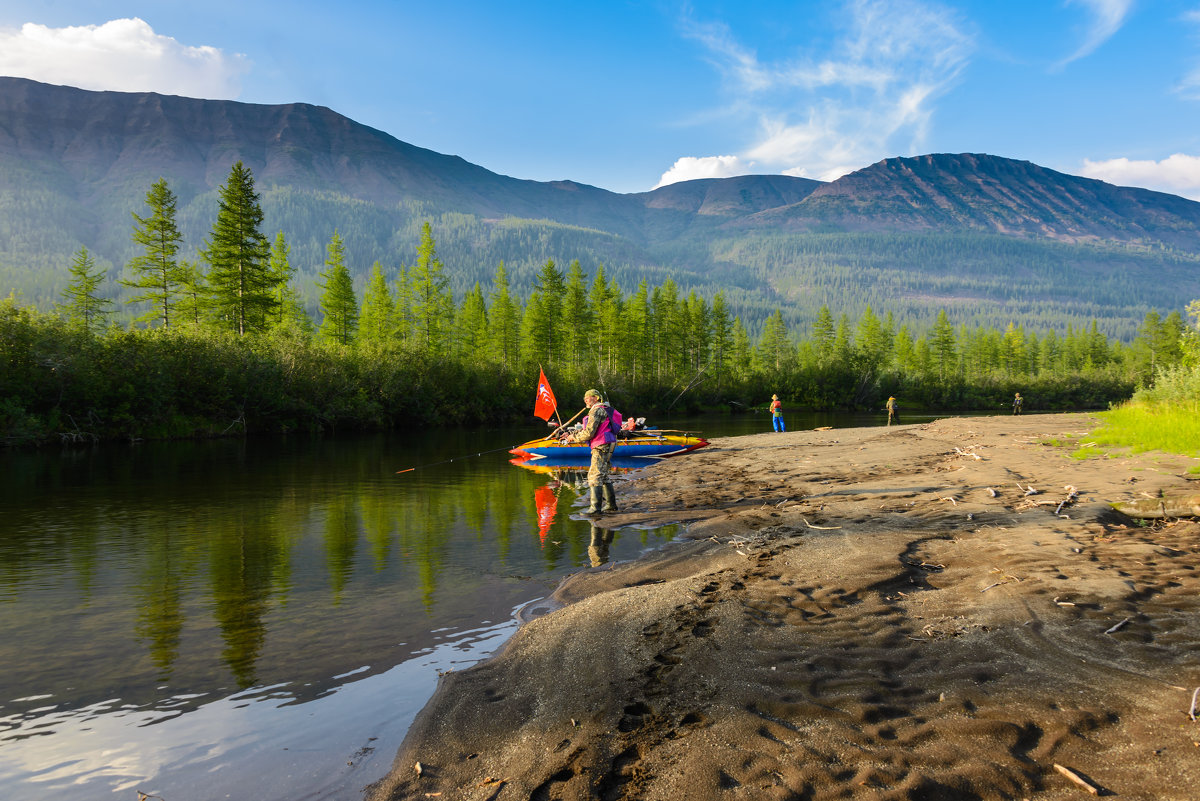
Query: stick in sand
(1075, 777)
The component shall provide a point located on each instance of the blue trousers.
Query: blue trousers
(777, 421)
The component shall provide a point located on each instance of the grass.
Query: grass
(1139, 426)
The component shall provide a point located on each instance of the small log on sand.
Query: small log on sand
(1075, 777)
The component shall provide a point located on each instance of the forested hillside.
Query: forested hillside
(987, 239)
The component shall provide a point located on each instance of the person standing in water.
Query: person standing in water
(1018, 402)
(891, 409)
(600, 432)
(777, 414)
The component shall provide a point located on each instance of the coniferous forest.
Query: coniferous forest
(225, 345)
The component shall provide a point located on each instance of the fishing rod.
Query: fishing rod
(455, 459)
(484, 453)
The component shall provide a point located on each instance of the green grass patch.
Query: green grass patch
(1168, 427)
(1087, 452)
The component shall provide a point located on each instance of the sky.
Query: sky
(629, 95)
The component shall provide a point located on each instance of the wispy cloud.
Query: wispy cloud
(123, 55)
(871, 94)
(1189, 87)
(1178, 174)
(1105, 18)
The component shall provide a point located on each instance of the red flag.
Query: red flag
(547, 504)
(545, 406)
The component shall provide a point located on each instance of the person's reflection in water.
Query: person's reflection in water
(598, 549)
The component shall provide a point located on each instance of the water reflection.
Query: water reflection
(142, 584)
(602, 538)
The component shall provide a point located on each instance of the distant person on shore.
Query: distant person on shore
(1018, 402)
(600, 432)
(777, 414)
(891, 409)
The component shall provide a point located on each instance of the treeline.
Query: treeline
(227, 347)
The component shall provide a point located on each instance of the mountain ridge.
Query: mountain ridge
(75, 163)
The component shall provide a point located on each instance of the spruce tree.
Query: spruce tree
(240, 283)
(722, 339)
(504, 320)
(192, 296)
(544, 316)
(432, 305)
(83, 306)
(156, 270)
(338, 304)
(376, 323)
(289, 313)
(775, 348)
(579, 344)
(471, 328)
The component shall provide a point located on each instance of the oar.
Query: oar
(572, 420)
(455, 459)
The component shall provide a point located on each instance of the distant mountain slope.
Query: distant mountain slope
(990, 238)
(978, 192)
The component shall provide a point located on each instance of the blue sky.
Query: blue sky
(628, 95)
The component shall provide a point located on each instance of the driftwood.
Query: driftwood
(1075, 777)
(1167, 506)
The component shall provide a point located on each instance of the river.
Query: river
(262, 618)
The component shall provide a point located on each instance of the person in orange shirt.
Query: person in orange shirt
(777, 413)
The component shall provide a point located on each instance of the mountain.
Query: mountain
(977, 192)
(988, 238)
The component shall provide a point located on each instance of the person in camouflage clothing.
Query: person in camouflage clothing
(602, 434)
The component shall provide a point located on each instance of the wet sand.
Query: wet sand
(882, 613)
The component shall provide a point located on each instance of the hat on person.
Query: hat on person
(774, 397)
(592, 393)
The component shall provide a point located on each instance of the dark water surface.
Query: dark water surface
(263, 618)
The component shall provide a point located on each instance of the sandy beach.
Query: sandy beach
(950, 610)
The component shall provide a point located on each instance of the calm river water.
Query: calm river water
(261, 619)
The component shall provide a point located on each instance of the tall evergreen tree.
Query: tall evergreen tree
(722, 339)
(775, 347)
(376, 324)
(240, 283)
(943, 346)
(823, 335)
(83, 306)
(606, 325)
(471, 328)
(289, 313)
(338, 303)
(432, 305)
(543, 316)
(741, 354)
(577, 322)
(156, 270)
(190, 306)
(504, 320)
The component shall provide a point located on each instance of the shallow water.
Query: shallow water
(263, 618)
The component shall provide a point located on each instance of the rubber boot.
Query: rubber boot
(594, 498)
(610, 498)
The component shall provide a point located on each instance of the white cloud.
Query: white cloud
(690, 168)
(123, 55)
(1178, 174)
(871, 94)
(1107, 17)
